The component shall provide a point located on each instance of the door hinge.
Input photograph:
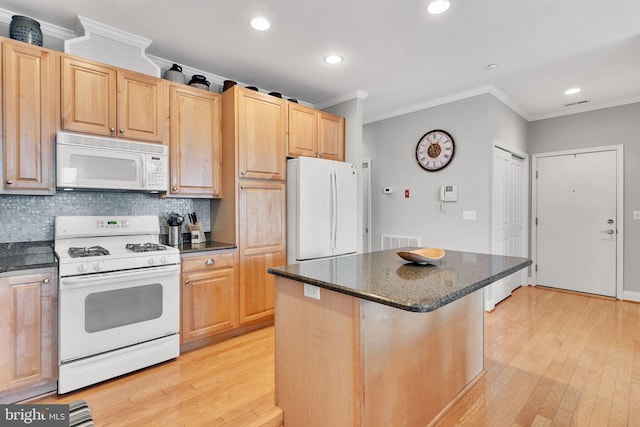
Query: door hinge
(536, 221)
(536, 268)
(536, 174)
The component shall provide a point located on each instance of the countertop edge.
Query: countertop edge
(434, 305)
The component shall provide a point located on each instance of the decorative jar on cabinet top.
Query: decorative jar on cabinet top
(25, 29)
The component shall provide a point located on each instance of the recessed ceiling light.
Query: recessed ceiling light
(333, 59)
(438, 6)
(492, 66)
(572, 91)
(260, 24)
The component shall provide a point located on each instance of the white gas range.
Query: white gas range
(119, 297)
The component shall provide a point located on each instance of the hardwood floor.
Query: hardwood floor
(555, 358)
(552, 359)
(228, 384)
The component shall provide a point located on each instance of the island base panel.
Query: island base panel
(342, 360)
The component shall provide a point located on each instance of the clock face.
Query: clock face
(435, 150)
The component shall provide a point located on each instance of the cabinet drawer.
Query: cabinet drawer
(211, 261)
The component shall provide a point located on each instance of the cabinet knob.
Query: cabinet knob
(121, 130)
(112, 130)
(210, 261)
(9, 182)
(243, 172)
(45, 281)
(242, 187)
(175, 188)
(186, 282)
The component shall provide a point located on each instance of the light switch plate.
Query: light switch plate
(636, 214)
(311, 291)
(469, 215)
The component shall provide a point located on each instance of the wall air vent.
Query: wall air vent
(584, 101)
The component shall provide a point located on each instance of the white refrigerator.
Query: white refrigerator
(321, 208)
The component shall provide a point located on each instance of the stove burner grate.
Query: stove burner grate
(84, 251)
(145, 247)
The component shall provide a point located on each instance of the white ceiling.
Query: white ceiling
(397, 53)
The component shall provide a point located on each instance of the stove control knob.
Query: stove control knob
(151, 260)
(83, 267)
(163, 259)
(99, 265)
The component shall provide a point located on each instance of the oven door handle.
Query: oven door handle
(147, 273)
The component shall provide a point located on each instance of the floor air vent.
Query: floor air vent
(392, 241)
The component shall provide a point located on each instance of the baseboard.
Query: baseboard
(631, 296)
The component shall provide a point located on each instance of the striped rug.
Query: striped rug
(80, 414)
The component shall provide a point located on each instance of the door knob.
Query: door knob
(609, 231)
(609, 221)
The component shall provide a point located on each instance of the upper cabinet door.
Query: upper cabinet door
(88, 97)
(331, 130)
(195, 142)
(141, 106)
(261, 136)
(303, 131)
(28, 85)
(104, 100)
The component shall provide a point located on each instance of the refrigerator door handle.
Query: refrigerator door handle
(334, 208)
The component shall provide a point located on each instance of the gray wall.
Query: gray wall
(506, 126)
(30, 218)
(391, 144)
(610, 126)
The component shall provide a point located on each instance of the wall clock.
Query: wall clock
(435, 150)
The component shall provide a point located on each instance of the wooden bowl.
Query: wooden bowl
(422, 256)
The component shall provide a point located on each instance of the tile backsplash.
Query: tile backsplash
(30, 218)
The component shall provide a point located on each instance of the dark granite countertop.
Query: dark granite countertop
(387, 279)
(187, 247)
(26, 255)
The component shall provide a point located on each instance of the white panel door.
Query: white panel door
(576, 229)
(508, 229)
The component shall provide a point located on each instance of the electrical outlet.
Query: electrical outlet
(469, 215)
(311, 291)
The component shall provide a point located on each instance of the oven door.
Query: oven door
(103, 312)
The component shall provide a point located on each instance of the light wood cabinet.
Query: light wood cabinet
(315, 133)
(262, 245)
(208, 295)
(28, 125)
(195, 142)
(28, 332)
(252, 211)
(331, 139)
(261, 132)
(104, 100)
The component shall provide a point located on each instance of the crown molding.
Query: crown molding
(488, 89)
(583, 109)
(355, 94)
(49, 30)
(95, 27)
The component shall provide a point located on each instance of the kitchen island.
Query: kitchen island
(371, 340)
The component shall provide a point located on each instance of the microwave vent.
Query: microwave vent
(113, 143)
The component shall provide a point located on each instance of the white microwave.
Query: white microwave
(100, 163)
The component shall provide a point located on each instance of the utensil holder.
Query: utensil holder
(174, 235)
(197, 233)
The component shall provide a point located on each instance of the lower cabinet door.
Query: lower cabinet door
(27, 332)
(207, 303)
